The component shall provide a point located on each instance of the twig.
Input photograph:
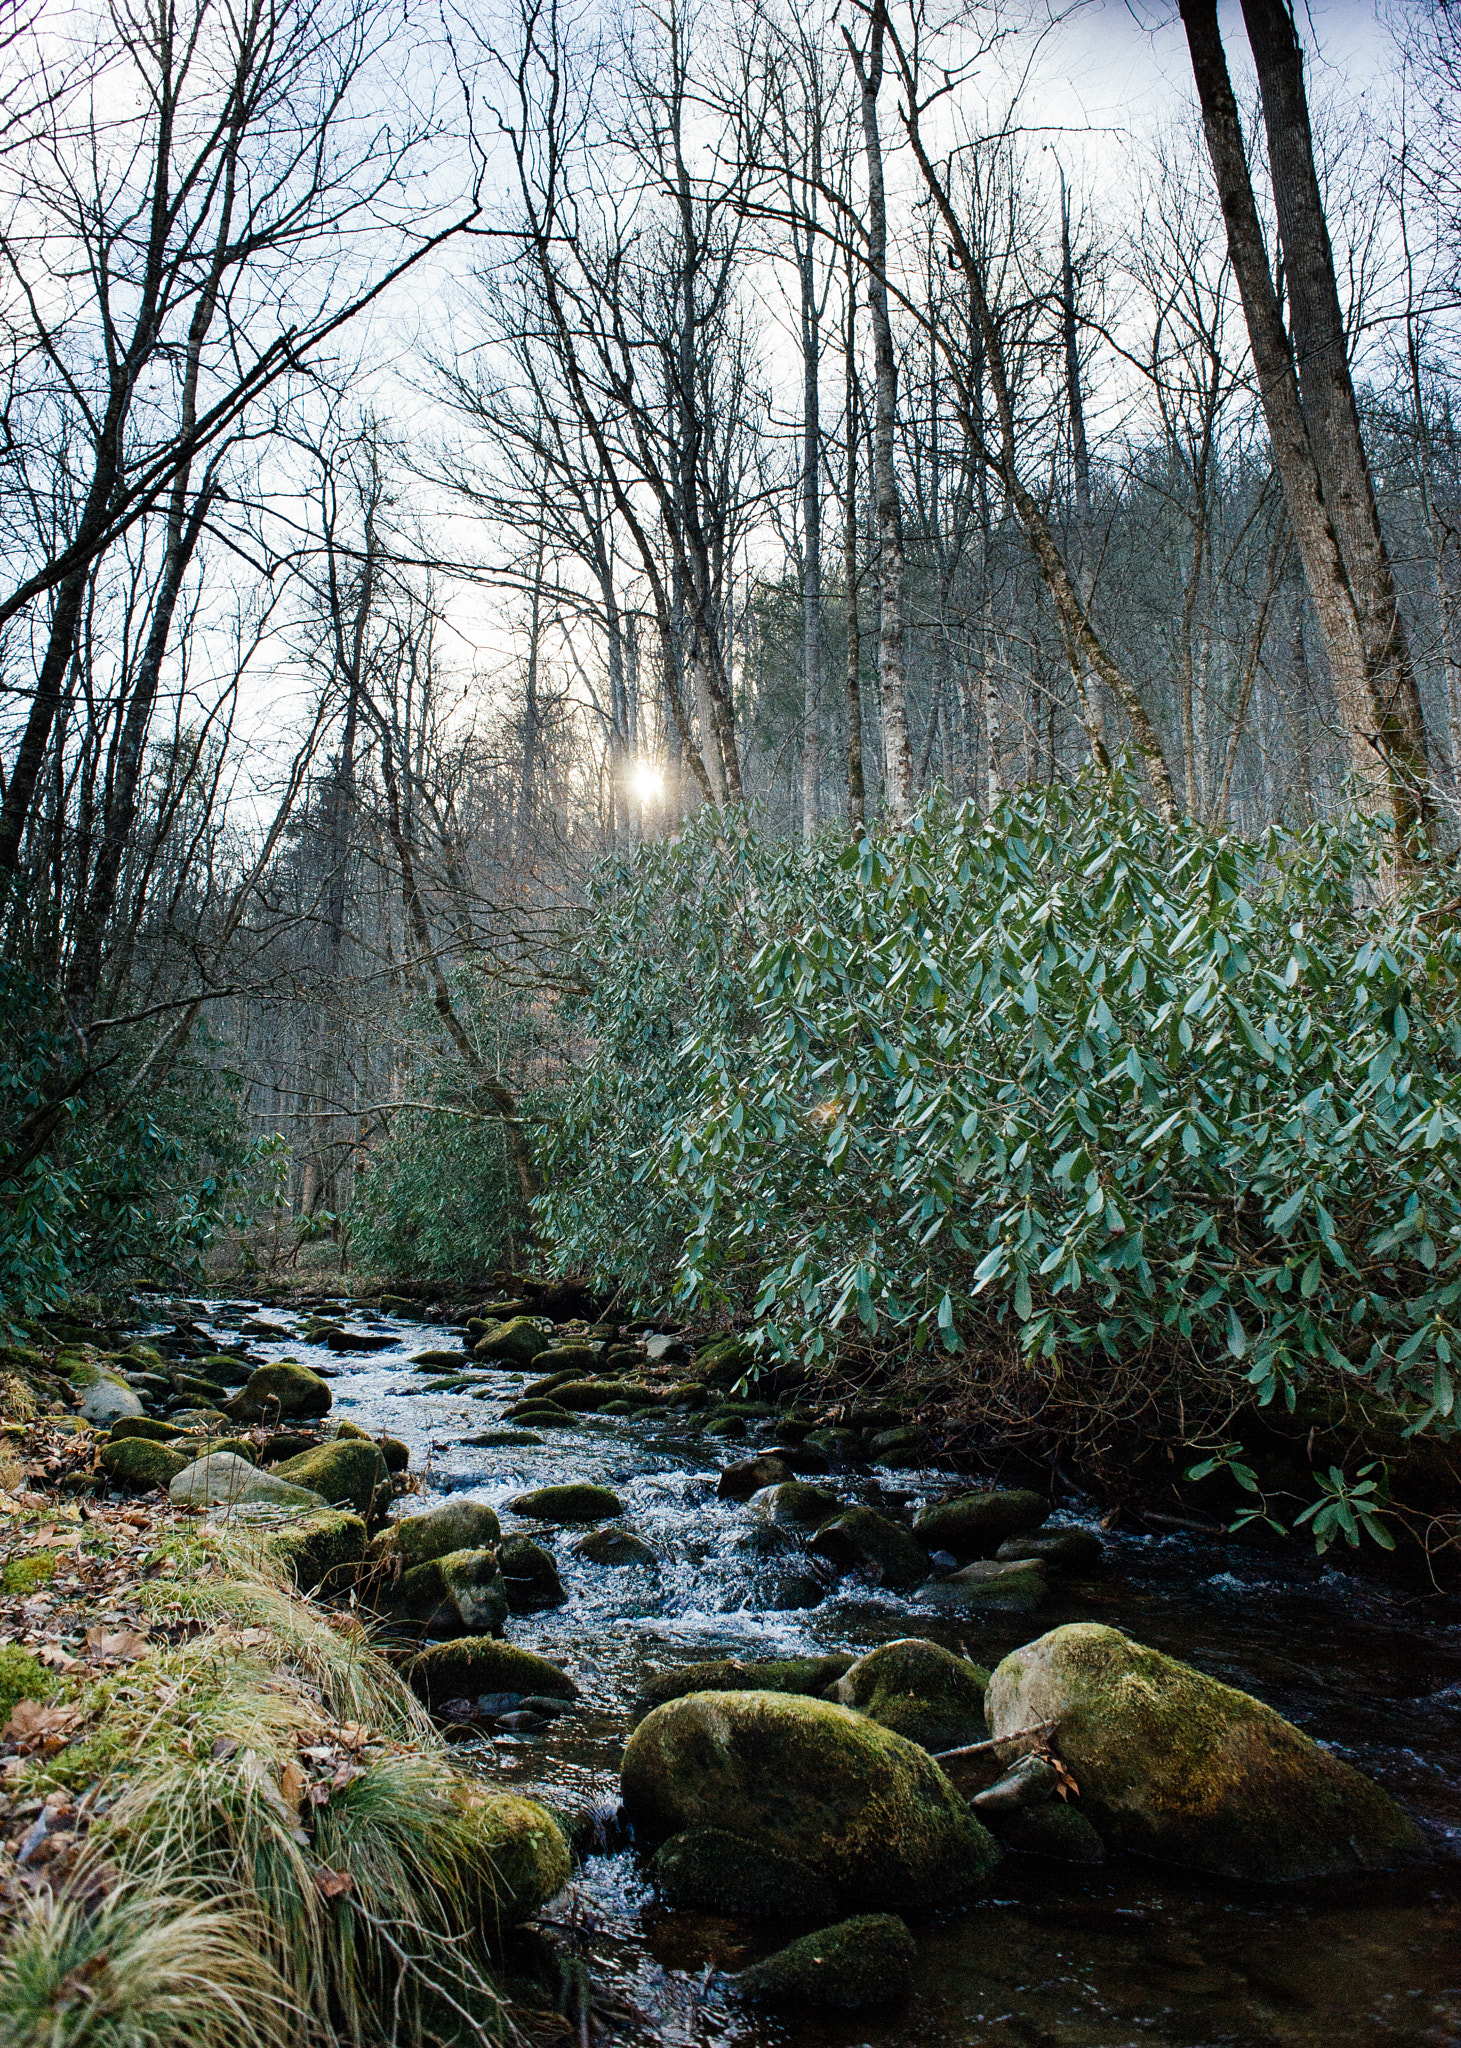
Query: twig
(943, 1756)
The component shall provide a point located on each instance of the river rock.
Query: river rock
(750, 1475)
(462, 1593)
(861, 1962)
(348, 1473)
(617, 1547)
(469, 1667)
(104, 1397)
(136, 1462)
(417, 1539)
(146, 1426)
(904, 1446)
(1018, 1585)
(515, 1856)
(918, 1690)
(725, 1361)
(792, 1505)
(806, 1675)
(569, 1358)
(530, 1575)
(223, 1479)
(224, 1369)
(272, 1391)
(436, 1360)
(860, 1539)
(1178, 1766)
(519, 1342)
(975, 1524)
(583, 1397)
(844, 1446)
(542, 1414)
(1073, 1551)
(358, 1343)
(705, 1870)
(1052, 1829)
(580, 1503)
(319, 1550)
(871, 1814)
(731, 1428)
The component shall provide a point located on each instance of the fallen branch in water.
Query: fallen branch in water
(943, 1756)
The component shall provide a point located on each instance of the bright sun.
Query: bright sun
(647, 782)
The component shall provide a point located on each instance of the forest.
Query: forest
(755, 713)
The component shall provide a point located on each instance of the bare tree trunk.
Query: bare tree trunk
(856, 790)
(811, 540)
(1088, 690)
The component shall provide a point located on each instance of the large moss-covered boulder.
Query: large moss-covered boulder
(515, 1343)
(574, 1503)
(135, 1462)
(144, 1426)
(920, 1691)
(1073, 1553)
(223, 1479)
(748, 1476)
(618, 1548)
(1176, 1765)
(416, 1539)
(465, 1669)
(860, 1539)
(975, 1524)
(871, 1814)
(794, 1505)
(223, 1369)
(1016, 1585)
(102, 1397)
(726, 1361)
(516, 1856)
(320, 1550)
(866, 1961)
(348, 1473)
(583, 1397)
(705, 1870)
(806, 1675)
(530, 1575)
(281, 1389)
(461, 1594)
(576, 1357)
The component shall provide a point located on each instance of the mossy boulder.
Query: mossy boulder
(530, 1575)
(541, 1414)
(1176, 1765)
(616, 1547)
(281, 1389)
(573, 1357)
(809, 1676)
(1074, 1552)
(223, 1369)
(435, 1360)
(573, 1503)
(975, 1524)
(861, 1962)
(793, 1505)
(705, 1870)
(396, 1454)
(582, 1397)
(466, 1668)
(139, 1463)
(920, 1691)
(348, 1473)
(1017, 1585)
(1052, 1829)
(417, 1539)
(102, 1397)
(460, 1594)
(515, 1853)
(223, 1479)
(319, 1550)
(146, 1426)
(870, 1814)
(860, 1539)
(726, 1361)
(516, 1343)
(748, 1476)
(729, 1428)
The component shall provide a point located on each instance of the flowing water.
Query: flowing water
(1127, 1953)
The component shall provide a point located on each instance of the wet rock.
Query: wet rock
(515, 1857)
(583, 1397)
(905, 1445)
(806, 1675)
(348, 1473)
(359, 1343)
(707, 1870)
(843, 1446)
(547, 1413)
(282, 1389)
(805, 1462)
(792, 1505)
(975, 1524)
(1030, 1781)
(861, 1962)
(574, 1503)
(792, 1591)
(728, 1426)
(570, 1359)
(871, 1814)
(530, 1575)
(617, 1547)
(542, 1389)
(103, 1397)
(416, 1539)
(223, 1479)
(860, 1539)
(223, 1369)
(749, 1475)
(139, 1464)
(1018, 1585)
(518, 1341)
(1073, 1551)
(319, 1550)
(920, 1691)
(462, 1593)
(726, 1361)
(435, 1359)
(1175, 1765)
(502, 1439)
(1051, 1829)
(468, 1668)
(143, 1426)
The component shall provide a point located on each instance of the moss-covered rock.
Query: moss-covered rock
(348, 1473)
(460, 1594)
(222, 1479)
(616, 1547)
(871, 1814)
(843, 1446)
(975, 1524)
(530, 1575)
(1175, 1765)
(281, 1389)
(583, 1397)
(436, 1360)
(727, 1427)
(725, 1361)
(137, 1462)
(920, 1691)
(809, 1676)
(518, 1856)
(1017, 1585)
(540, 1415)
(860, 1539)
(574, 1503)
(1074, 1552)
(467, 1668)
(146, 1426)
(1053, 1829)
(517, 1342)
(223, 1369)
(861, 1962)
(102, 1397)
(572, 1357)
(322, 1550)
(706, 1870)
(748, 1476)
(416, 1539)
(793, 1505)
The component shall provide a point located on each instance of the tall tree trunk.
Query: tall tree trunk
(812, 541)
(856, 788)
(1087, 688)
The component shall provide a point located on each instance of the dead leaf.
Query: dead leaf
(292, 1785)
(1065, 1784)
(33, 1727)
(332, 1883)
(343, 1775)
(225, 1747)
(57, 1658)
(115, 1646)
(319, 1795)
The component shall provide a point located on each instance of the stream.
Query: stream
(1130, 1952)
